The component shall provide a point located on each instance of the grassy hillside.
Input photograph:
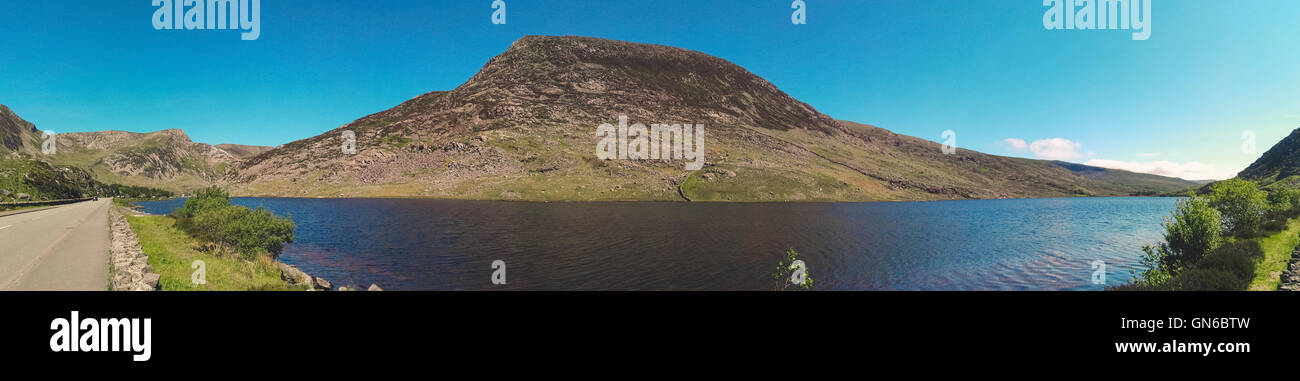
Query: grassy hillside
(42, 181)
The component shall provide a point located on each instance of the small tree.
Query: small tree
(1242, 205)
(792, 273)
(1193, 231)
(210, 198)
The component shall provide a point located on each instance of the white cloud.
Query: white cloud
(1190, 170)
(1055, 149)
(1013, 144)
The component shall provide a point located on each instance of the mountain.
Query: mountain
(1279, 165)
(524, 128)
(24, 177)
(16, 134)
(165, 159)
(1145, 183)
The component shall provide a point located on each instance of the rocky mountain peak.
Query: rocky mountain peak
(1278, 163)
(14, 131)
(592, 79)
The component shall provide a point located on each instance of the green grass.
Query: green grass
(12, 208)
(1277, 253)
(171, 253)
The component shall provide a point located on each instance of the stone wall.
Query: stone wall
(128, 265)
(1291, 274)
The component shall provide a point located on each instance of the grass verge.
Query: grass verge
(1277, 253)
(172, 252)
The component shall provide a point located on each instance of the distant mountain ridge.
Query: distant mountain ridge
(523, 128)
(165, 159)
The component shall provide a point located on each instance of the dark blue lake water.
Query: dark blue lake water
(416, 244)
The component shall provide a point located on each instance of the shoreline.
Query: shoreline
(678, 201)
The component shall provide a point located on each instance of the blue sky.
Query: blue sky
(1177, 103)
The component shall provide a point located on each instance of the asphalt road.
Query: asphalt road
(62, 248)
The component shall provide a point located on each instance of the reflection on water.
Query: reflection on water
(415, 244)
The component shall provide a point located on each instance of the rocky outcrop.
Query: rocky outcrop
(1291, 275)
(321, 284)
(128, 265)
(164, 159)
(297, 277)
(293, 275)
(16, 134)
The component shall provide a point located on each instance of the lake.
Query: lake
(419, 244)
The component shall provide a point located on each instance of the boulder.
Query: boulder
(374, 287)
(293, 275)
(23, 196)
(151, 280)
(322, 284)
(5, 193)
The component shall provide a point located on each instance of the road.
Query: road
(62, 248)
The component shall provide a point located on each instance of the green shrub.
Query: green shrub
(210, 217)
(1192, 232)
(205, 199)
(1242, 205)
(1274, 222)
(1237, 258)
(1284, 199)
(1199, 279)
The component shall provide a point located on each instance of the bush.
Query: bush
(210, 217)
(1284, 200)
(1192, 232)
(1242, 205)
(245, 230)
(205, 199)
(1237, 258)
(1199, 279)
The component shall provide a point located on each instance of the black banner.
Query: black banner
(407, 327)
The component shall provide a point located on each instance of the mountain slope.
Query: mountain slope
(24, 177)
(16, 134)
(1279, 165)
(164, 159)
(524, 128)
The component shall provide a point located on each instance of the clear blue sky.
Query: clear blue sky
(987, 69)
